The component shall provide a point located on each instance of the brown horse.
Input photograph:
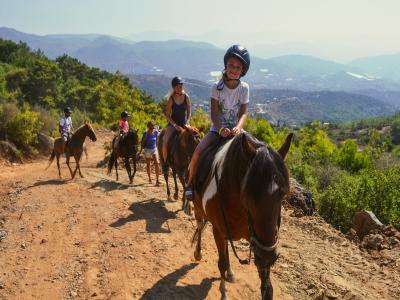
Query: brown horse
(74, 148)
(238, 187)
(126, 147)
(180, 150)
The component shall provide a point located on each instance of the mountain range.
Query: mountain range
(322, 89)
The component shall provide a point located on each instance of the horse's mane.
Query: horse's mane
(236, 163)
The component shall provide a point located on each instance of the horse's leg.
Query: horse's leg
(185, 204)
(230, 276)
(167, 184)
(76, 166)
(128, 169)
(58, 165)
(201, 223)
(134, 166)
(116, 165)
(176, 194)
(267, 290)
(78, 159)
(69, 167)
(223, 263)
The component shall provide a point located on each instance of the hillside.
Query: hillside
(290, 106)
(95, 238)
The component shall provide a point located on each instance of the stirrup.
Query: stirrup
(188, 192)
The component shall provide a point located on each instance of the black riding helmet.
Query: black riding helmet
(177, 81)
(241, 53)
(67, 110)
(124, 114)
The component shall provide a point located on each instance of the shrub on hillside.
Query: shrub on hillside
(371, 189)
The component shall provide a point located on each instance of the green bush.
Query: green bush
(372, 189)
(24, 128)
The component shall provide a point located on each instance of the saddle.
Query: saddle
(205, 163)
(117, 141)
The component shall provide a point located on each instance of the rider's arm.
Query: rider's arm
(242, 116)
(214, 113)
(188, 112)
(168, 111)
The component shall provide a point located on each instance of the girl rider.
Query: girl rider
(229, 101)
(177, 112)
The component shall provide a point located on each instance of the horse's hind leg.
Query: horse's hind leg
(223, 263)
(116, 166)
(58, 165)
(176, 194)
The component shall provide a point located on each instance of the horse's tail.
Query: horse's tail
(53, 154)
(111, 162)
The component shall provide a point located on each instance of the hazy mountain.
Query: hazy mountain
(200, 61)
(385, 66)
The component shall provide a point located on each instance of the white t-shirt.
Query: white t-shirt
(229, 102)
(66, 124)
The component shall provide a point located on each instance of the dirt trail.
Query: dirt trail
(95, 238)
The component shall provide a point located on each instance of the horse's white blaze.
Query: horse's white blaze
(218, 163)
(211, 190)
(273, 187)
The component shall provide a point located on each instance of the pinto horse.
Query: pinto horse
(126, 147)
(74, 148)
(180, 150)
(238, 187)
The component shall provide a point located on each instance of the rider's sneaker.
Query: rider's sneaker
(189, 192)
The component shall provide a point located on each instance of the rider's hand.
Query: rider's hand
(235, 130)
(225, 132)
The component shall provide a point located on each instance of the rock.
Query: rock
(3, 235)
(23, 245)
(43, 241)
(372, 241)
(365, 221)
(46, 144)
(73, 294)
(2, 285)
(299, 198)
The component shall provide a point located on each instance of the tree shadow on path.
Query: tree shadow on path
(167, 288)
(153, 211)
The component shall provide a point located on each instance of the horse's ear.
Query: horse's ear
(248, 148)
(286, 145)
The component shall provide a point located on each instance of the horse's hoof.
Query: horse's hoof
(230, 278)
(176, 196)
(197, 255)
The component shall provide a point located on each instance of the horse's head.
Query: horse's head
(132, 139)
(265, 184)
(90, 132)
(189, 138)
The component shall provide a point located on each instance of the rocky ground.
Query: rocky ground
(95, 238)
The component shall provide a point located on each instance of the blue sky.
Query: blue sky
(371, 24)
